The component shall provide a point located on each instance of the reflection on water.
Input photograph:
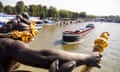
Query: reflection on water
(70, 47)
(51, 37)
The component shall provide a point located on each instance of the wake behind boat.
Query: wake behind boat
(71, 37)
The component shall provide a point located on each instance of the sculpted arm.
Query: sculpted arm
(1, 68)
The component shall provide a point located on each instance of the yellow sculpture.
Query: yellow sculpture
(25, 36)
(100, 44)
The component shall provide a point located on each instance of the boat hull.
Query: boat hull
(74, 38)
(71, 38)
(38, 26)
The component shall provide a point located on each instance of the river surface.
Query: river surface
(51, 37)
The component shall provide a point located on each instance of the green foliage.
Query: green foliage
(83, 14)
(91, 16)
(52, 12)
(25, 9)
(1, 7)
(19, 7)
(75, 15)
(9, 10)
(65, 14)
(44, 12)
(33, 10)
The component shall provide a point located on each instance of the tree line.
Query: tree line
(42, 11)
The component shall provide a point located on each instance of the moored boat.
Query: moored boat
(38, 26)
(49, 22)
(38, 23)
(70, 37)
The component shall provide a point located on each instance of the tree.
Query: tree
(25, 9)
(65, 14)
(19, 7)
(44, 12)
(1, 7)
(39, 10)
(57, 14)
(83, 14)
(34, 10)
(75, 15)
(9, 9)
(52, 12)
(91, 16)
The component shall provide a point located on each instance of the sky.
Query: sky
(91, 7)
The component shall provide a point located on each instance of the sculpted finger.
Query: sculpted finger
(67, 67)
(54, 66)
(1, 68)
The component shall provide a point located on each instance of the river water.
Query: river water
(51, 37)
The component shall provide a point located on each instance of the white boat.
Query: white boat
(71, 37)
(38, 26)
(49, 22)
(5, 18)
(38, 22)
